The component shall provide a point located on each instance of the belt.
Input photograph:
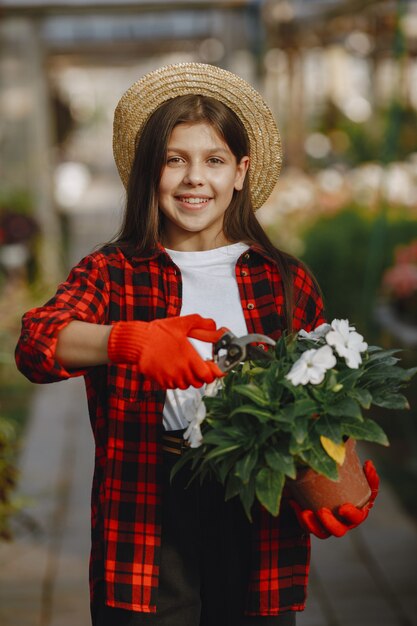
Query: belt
(174, 442)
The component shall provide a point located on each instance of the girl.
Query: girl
(198, 151)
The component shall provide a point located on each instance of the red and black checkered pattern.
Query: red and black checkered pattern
(126, 417)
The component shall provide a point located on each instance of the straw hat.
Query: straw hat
(139, 102)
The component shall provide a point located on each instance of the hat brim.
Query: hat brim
(139, 102)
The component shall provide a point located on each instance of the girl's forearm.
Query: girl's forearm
(81, 344)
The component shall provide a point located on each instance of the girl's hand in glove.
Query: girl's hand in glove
(162, 351)
(324, 523)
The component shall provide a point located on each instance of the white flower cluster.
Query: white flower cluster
(313, 364)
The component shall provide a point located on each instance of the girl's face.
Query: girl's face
(196, 187)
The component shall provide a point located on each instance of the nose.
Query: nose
(194, 174)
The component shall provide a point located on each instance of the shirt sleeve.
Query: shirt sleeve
(83, 296)
(308, 302)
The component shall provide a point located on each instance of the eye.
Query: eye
(215, 160)
(174, 160)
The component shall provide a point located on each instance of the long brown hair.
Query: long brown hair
(142, 226)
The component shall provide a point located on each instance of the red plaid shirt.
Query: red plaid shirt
(126, 417)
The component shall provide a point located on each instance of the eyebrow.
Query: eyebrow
(207, 150)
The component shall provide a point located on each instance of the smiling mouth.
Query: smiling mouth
(193, 200)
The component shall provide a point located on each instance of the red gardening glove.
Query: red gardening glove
(162, 351)
(324, 523)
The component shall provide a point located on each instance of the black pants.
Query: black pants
(205, 562)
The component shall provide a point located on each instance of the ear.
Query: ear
(242, 168)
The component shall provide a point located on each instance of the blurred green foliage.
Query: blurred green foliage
(390, 134)
(8, 475)
(16, 200)
(337, 250)
(15, 394)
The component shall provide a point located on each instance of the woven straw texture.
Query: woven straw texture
(139, 102)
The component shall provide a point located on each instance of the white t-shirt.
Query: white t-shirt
(209, 288)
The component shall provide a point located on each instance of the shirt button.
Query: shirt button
(251, 306)
(244, 273)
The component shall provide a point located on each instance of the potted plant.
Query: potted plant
(267, 422)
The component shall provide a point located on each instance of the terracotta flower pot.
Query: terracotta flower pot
(314, 491)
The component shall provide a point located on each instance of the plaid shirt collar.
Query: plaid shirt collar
(137, 258)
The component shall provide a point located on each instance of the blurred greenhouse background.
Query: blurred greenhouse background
(341, 79)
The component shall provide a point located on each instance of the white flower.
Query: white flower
(316, 334)
(193, 432)
(311, 367)
(197, 409)
(347, 342)
(212, 388)
(193, 435)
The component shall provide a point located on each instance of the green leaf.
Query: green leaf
(318, 459)
(247, 496)
(295, 448)
(410, 372)
(233, 487)
(224, 466)
(269, 485)
(280, 462)
(254, 371)
(344, 407)
(385, 372)
(284, 415)
(252, 392)
(348, 377)
(391, 401)
(304, 407)
(328, 428)
(300, 429)
(220, 437)
(378, 354)
(246, 464)
(281, 348)
(217, 452)
(249, 409)
(265, 433)
(363, 396)
(183, 460)
(368, 430)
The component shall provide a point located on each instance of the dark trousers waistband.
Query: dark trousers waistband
(173, 442)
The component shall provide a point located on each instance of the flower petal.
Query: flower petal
(318, 333)
(342, 327)
(334, 338)
(316, 375)
(353, 359)
(356, 342)
(193, 435)
(324, 358)
(298, 373)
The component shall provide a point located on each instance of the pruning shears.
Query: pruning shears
(240, 349)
